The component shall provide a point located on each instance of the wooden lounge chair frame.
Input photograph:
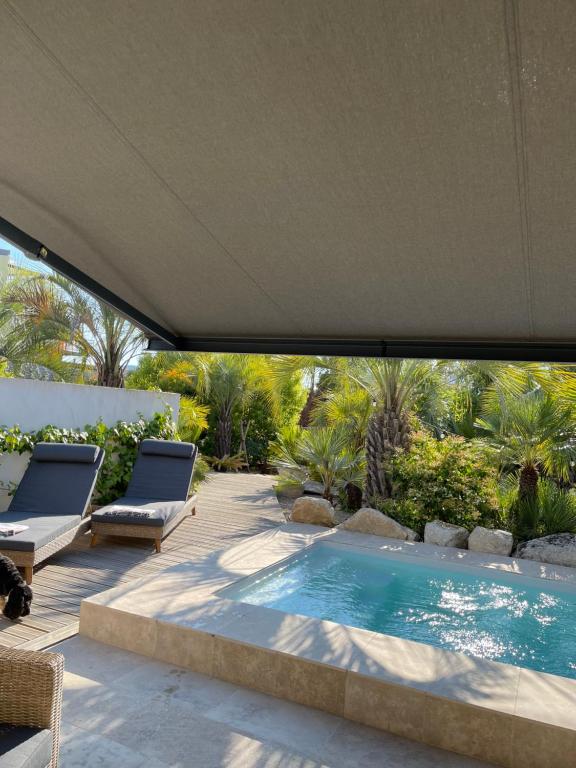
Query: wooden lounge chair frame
(155, 532)
(26, 560)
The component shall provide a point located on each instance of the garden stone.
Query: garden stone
(557, 549)
(495, 542)
(445, 534)
(368, 520)
(309, 509)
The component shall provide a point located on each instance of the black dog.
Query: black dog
(13, 586)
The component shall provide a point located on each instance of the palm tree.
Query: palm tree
(323, 454)
(50, 319)
(228, 383)
(394, 386)
(349, 407)
(312, 370)
(533, 433)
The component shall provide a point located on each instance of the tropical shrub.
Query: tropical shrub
(532, 434)
(322, 454)
(453, 480)
(552, 510)
(119, 441)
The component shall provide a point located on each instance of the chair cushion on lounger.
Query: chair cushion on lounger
(42, 529)
(76, 454)
(23, 747)
(161, 477)
(134, 511)
(54, 487)
(167, 448)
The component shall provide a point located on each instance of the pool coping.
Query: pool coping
(505, 714)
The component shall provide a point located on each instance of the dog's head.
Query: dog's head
(18, 603)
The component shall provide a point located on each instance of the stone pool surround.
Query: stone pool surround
(500, 713)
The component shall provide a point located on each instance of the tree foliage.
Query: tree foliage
(50, 321)
(451, 479)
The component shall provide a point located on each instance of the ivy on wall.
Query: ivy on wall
(119, 441)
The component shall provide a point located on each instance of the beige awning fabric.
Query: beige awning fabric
(370, 169)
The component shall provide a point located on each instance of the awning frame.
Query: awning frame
(37, 250)
(161, 339)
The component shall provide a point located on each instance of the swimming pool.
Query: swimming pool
(518, 620)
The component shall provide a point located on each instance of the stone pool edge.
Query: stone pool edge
(492, 711)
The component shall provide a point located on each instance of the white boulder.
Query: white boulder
(445, 534)
(312, 510)
(368, 520)
(495, 542)
(558, 549)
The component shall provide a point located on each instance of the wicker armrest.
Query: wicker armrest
(31, 685)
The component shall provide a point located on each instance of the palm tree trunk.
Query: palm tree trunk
(110, 378)
(375, 481)
(353, 497)
(528, 482)
(388, 432)
(223, 435)
(244, 427)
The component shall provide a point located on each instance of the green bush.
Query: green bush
(119, 441)
(553, 510)
(453, 480)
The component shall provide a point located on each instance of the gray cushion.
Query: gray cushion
(57, 487)
(167, 448)
(22, 747)
(42, 529)
(162, 478)
(69, 452)
(150, 512)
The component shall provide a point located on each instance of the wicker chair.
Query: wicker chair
(31, 685)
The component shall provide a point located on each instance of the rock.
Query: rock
(368, 520)
(558, 549)
(495, 542)
(310, 509)
(445, 534)
(312, 488)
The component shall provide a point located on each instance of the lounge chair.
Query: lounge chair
(156, 499)
(52, 500)
(30, 708)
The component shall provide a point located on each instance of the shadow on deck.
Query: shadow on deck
(230, 508)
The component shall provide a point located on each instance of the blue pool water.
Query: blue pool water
(516, 620)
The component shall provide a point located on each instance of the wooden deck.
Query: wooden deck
(230, 507)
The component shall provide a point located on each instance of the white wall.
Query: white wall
(34, 404)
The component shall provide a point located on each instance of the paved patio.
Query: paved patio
(230, 508)
(125, 710)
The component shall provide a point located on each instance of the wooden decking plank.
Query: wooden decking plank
(230, 507)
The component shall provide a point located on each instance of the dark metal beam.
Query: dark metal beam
(558, 352)
(39, 251)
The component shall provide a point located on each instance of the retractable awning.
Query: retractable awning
(330, 176)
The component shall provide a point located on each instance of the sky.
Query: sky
(17, 257)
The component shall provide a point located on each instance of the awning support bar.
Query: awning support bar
(39, 251)
(558, 352)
